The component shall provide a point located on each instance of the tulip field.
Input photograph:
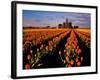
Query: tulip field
(54, 48)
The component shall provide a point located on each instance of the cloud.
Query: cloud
(35, 22)
(44, 18)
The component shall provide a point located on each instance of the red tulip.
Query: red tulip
(78, 63)
(27, 66)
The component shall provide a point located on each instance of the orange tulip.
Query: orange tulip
(67, 58)
(72, 62)
(76, 59)
(79, 51)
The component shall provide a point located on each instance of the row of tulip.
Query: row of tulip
(71, 56)
(33, 58)
(37, 37)
(85, 37)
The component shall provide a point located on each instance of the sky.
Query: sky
(48, 18)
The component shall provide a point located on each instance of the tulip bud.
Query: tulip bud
(37, 50)
(60, 52)
(28, 56)
(31, 51)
